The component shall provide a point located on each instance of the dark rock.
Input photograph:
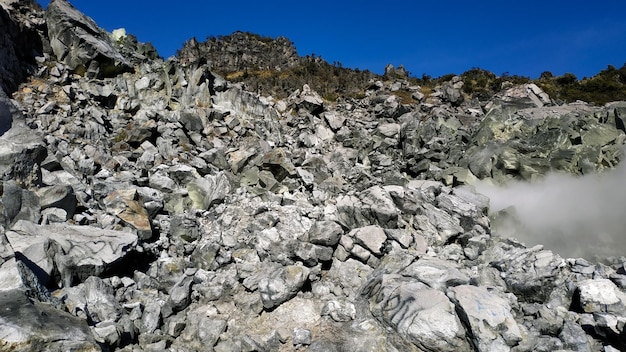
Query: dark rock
(26, 325)
(78, 42)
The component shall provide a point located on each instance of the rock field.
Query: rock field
(151, 205)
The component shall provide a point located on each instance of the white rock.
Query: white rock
(601, 295)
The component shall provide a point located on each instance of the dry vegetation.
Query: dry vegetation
(273, 67)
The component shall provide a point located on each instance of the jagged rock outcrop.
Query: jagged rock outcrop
(225, 52)
(20, 41)
(78, 42)
(168, 209)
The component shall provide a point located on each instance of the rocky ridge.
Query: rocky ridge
(152, 205)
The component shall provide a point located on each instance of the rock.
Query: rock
(307, 100)
(373, 205)
(282, 285)
(59, 196)
(339, 311)
(371, 237)
(77, 252)
(334, 120)
(78, 42)
(171, 209)
(127, 206)
(599, 135)
(93, 300)
(278, 164)
(10, 275)
(574, 337)
(489, 317)
(526, 95)
(19, 204)
(180, 295)
(422, 315)
(20, 44)
(151, 318)
(301, 337)
(209, 190)
(452, 94)
(21, 152)
(325, 233)
(601, 296)
(436, 273)
(24, 324)
(106, 333)
(7, 111)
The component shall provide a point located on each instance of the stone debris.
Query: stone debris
(151, 205)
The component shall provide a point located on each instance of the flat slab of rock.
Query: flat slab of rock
(127, 205)
(76, 251)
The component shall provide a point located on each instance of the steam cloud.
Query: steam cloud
(575, 216)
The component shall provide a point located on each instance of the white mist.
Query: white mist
(575, 216)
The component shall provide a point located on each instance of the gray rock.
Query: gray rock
(11, 275)
(325, 233)
(373, 205)
(436, 273)
(282, 285)
(78, 42)
(77, 252)
(21, 152)
(601, 296)
(7, 111)
(209, 190)
(106, 333)
(307, 99)
(334, 120)
(526, 95)
(209, 330)
(372, 238)
(489, 316)
(422, 315)
(58, 196)
(151, 318)
(599, 135)
(93, 300)
(339, 311)
(301, 337)
(20, 43)
(24, 324)
(19, 204)
(574, 337)
(180, 295)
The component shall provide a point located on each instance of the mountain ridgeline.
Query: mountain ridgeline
(240, 197)
(272, 66)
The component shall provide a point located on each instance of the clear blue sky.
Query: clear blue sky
(432, 37)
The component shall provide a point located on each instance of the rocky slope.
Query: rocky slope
(272, 67)
(152, 205)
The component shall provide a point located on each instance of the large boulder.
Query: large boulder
(423, 315)
(32, 326)
(78, 42)
(76, 252)
(488, 316)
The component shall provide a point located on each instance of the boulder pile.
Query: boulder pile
(151, 205)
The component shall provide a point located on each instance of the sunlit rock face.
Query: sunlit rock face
(151, 205)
